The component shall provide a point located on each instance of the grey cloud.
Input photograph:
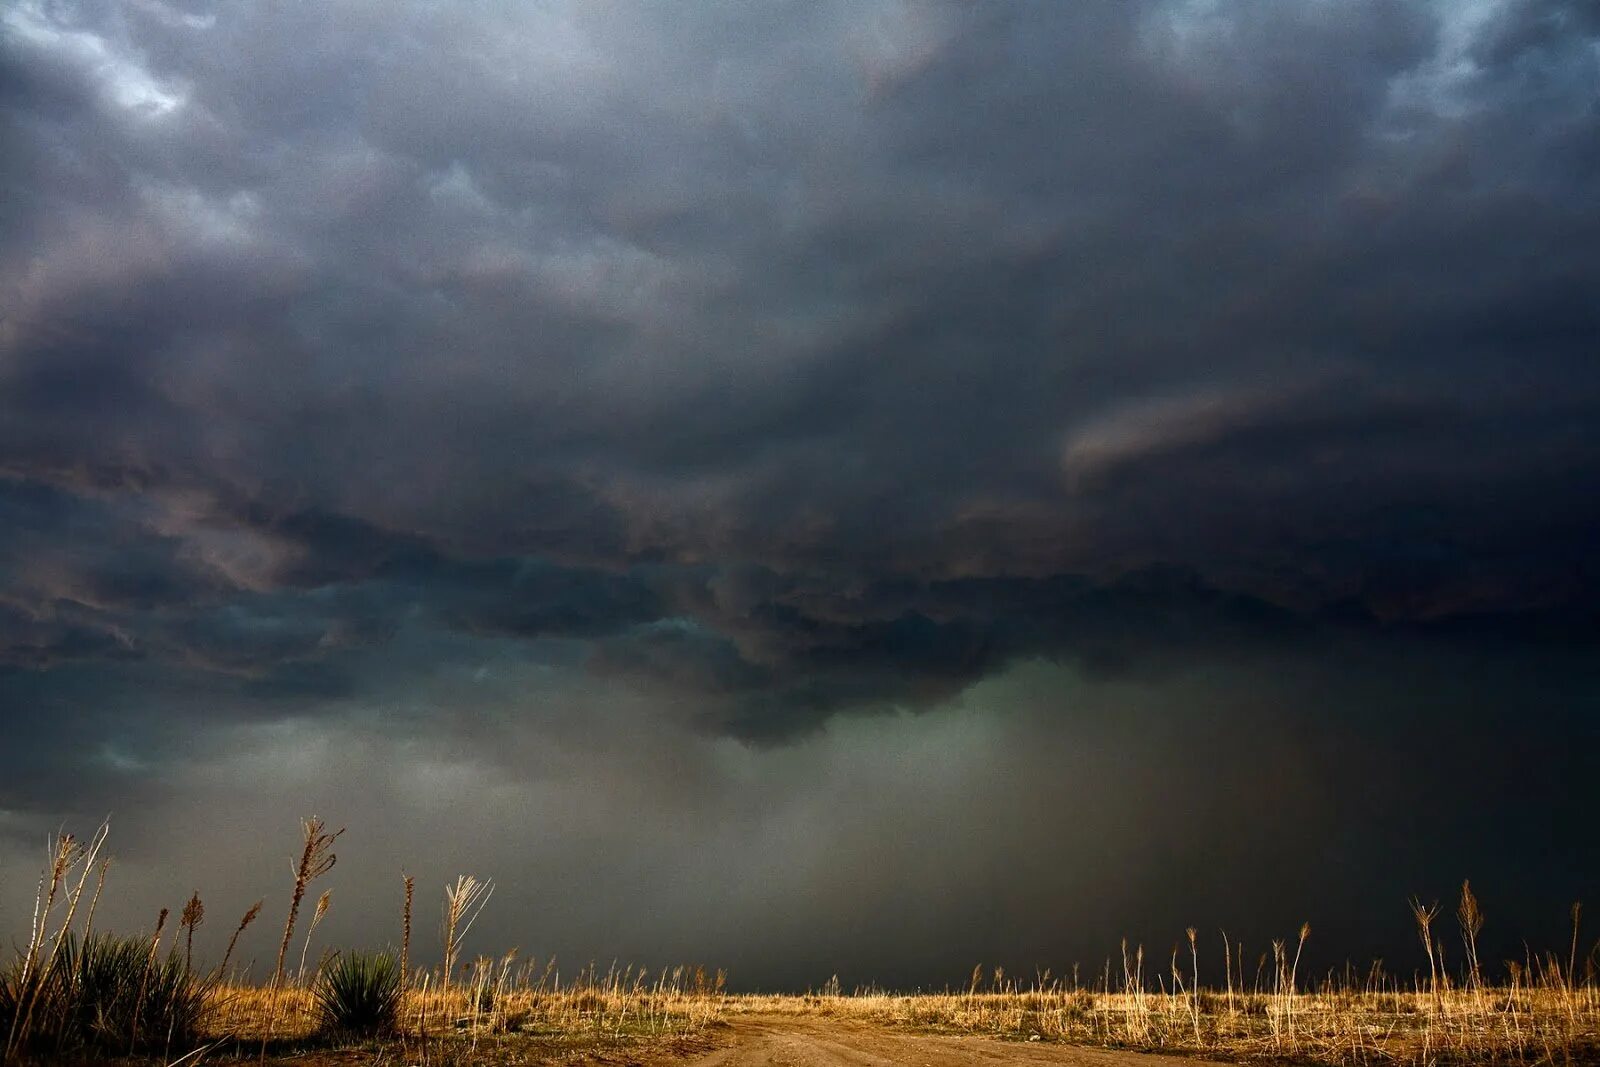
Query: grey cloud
(858, 316)
(1030, 823)
(763, 368)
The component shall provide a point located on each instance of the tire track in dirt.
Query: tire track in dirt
(797, 1041)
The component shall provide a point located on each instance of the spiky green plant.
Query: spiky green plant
(106, 995)
(8, 999)
(359, 993)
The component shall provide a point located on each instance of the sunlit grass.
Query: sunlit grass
(1334, 1025)
(141, 995)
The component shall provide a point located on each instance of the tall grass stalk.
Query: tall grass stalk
(1424, 915)
(463, 903)
(249, 917)
(323, 903)
(405, 931)
(144, 979)
(66, 853)
(316, 859)
(194, 913)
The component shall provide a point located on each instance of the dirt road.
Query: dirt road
(801, 1041)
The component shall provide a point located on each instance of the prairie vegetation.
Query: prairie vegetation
(72, 993)
(1542, 1012)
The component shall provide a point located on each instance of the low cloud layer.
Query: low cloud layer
(725, 446)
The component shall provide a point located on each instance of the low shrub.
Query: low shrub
(108, 995)
(359, 993)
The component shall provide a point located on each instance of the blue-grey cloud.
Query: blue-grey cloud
(758, 373)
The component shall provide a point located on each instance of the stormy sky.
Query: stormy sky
(865, 488)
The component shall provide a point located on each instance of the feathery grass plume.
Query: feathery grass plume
(66, 853)
(405, 931)
(249, 917)
(463, 903)
(194, 913)
(316, 917)
(1424, 914)
(59, 852)
(1279, 1007)
(1470, 916)
(100, 885)
(316, 859)
(1294, 976)
(1305, 932)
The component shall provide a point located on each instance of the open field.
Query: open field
(598, 1018)
(1336, 1026)
(618, 1020)
(806, 1040)
(76, 995)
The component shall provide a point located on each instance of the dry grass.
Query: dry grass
(456, 1013)
(502, 997)
(1333, 1026)
(497, 1011)
(1539, 1010)
(1542, 1013)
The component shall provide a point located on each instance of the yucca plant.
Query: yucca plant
(359, 993)
(124, 993)
(8, 1000)
(108, 994)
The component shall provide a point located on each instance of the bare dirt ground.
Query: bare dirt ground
(756, 1039)
(799, 1041)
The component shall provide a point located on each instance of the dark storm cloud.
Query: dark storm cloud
(524, 379)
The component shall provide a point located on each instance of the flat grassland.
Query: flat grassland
(620, 1018)
(73, 994)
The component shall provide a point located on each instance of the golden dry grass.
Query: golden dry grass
(500, 998)
(1339, 1026)
(1542, 1010)
(497, 1012)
